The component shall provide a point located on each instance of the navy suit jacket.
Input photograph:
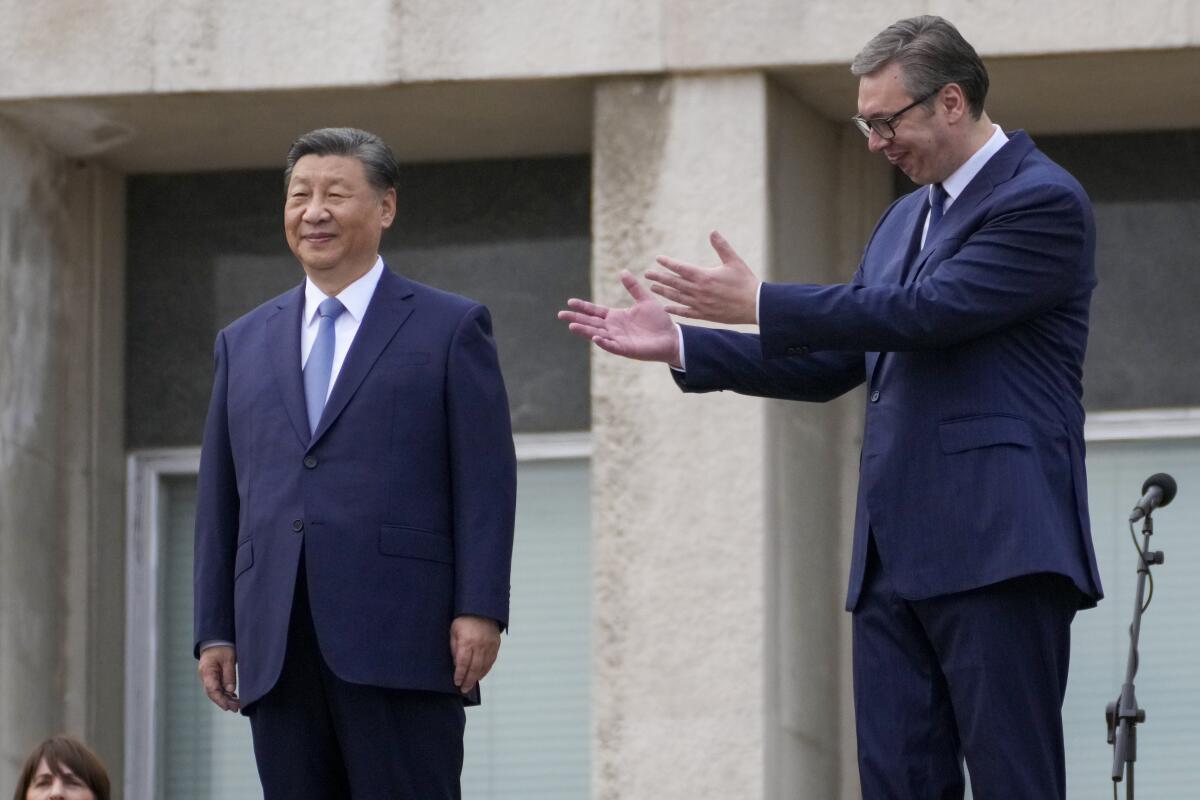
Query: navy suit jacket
(403, 499)
(972, 347)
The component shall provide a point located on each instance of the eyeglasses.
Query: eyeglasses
(883, 126)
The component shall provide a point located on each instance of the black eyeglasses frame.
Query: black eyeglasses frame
(884, 127)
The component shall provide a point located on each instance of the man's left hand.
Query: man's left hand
(474, 643)
(726, 293)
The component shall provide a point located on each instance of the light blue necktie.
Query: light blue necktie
(937, 204)
(320, 361)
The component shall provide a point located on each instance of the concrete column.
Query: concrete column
(826, 192)
(679, 523)
(805, 577)
(722, 524)
(61, 464)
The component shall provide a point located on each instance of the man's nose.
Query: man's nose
(314, 210)
(875, 142)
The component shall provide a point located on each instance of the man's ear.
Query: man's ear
(387, 207)
(953, 102)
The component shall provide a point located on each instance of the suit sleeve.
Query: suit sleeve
(1023, 261)
(483, 470)
(217, 510)
(722, 359)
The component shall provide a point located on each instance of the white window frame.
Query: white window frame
(146, 472)
(1142, 424)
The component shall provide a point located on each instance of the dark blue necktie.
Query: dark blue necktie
(320, 361)
(937, 204)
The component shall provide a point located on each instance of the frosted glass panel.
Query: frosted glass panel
(1168, 679)
(204, 752)
(530, 737)
(528, 740)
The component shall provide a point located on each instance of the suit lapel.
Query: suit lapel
(389, 308)
(999, 168)
(898, 270)
(283, 341)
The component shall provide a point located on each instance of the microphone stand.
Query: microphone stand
(1123, 715)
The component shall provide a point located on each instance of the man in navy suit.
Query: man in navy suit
(355, 503)
(967, 319)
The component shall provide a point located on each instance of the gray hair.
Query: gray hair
(380, 166)
(931, 53)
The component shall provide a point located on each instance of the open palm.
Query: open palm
(643, 331)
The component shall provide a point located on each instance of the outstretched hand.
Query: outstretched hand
(642, 331)
(725, 293)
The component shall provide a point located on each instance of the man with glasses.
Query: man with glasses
(967, 319)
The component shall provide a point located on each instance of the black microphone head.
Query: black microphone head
(1164, 482)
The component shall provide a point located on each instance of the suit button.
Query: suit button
(875, 396)
(297, 525)
(310, 461)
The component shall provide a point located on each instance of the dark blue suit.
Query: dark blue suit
(396, 515)
(972, 467)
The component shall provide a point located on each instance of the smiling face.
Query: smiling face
(924, 147)
(334, 218)
(66, 785)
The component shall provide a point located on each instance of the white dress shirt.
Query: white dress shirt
(355, 297)
(958, 180)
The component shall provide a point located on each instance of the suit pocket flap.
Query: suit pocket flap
(244, 558)
(967, 434)
(395, 540)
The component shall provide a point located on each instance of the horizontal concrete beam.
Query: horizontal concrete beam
(237, 130)
(1073, 93)
(68, 48)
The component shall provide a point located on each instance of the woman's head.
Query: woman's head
(62, 767)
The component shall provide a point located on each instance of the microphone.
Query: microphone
(1158, 490)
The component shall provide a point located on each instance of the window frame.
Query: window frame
(146, 472)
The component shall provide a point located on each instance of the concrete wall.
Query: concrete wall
(61, 513)
(138, 46)
(804, 454)
(827, 191)
(678, 517)
(720, 523)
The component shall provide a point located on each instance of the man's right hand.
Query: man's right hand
(219, 676)
(643, 331)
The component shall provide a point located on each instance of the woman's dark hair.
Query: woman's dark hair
(64, 753)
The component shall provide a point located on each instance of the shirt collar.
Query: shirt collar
(959, 179)
(355, 297)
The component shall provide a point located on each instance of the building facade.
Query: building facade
(681, 560)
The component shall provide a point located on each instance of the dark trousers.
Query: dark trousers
(978, 674)
(318, 737)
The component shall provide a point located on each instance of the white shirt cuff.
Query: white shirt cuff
(682, 363)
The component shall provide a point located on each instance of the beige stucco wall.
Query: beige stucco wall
(70, 47)
(805, 453)
(720, 523)
(61, 563)
(678, 515)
